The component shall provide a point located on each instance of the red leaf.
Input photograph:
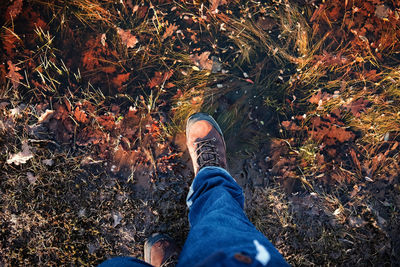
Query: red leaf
(14, 76)
(10, 42)
(169, 31)
(160, 78)
(80, 115)
(14, 10)
(120, 79)
(319, 98)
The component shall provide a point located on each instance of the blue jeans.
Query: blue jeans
(220, 234)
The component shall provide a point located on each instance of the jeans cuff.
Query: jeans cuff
(208, 168)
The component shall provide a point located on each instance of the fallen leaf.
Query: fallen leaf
(10, 42)
(290, 125)
(120, 79)
(14, 10)
(319, 98)
(14, 76)
(169, 31)
(107, 121)
(16, 112)
(127, 38)
(160, 78)
(356, 107)
(21, 157)
(215, 4)
(355, 159)
(80, 115)
(202, 61)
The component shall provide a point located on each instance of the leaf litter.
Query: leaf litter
(108, 94)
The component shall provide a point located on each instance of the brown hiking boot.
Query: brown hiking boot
(160, 250)
(205, 142)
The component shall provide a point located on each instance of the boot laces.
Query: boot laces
(207, 153)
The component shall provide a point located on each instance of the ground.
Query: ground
(94, 96)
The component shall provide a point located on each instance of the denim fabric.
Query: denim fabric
(221, 234)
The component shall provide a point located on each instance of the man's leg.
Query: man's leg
(221, 234)
(220, 227)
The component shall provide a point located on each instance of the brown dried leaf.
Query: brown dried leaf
(127, 38)
(356, 107)
(13, 75)
(169, 31)
(355, 159)
(202, 61)
(10, 42)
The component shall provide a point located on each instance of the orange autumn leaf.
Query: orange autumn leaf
(13, 75)
(107, 121)
(214, 4)
(80, 115)
(160, 78)
(14, 10)
(290, 126)
(120, 79)
(127, 38)
(10, 41)
(169, 31)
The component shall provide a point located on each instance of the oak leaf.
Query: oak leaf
(13, 75)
